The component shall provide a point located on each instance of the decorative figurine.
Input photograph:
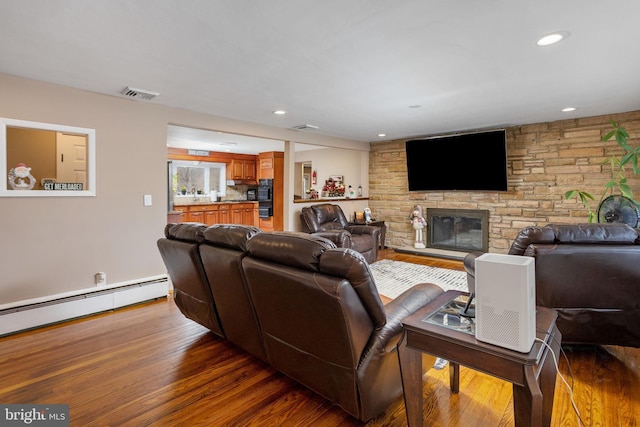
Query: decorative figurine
(367, 215)
(418, 222)
(18, 175)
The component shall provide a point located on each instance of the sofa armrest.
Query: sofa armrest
(371, 230)
(470, 267)
(342, 238)
(397, 310)
(470, 262)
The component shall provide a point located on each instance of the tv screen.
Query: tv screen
(465, 162)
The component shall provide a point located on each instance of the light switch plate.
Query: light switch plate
(147, 200)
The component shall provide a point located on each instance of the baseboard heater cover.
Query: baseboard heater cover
(28, 316)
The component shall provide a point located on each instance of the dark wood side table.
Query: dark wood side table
(532, 374)
(374, 223)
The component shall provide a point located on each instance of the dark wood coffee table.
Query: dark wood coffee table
(532, 374)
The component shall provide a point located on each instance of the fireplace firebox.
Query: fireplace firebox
(463, 230)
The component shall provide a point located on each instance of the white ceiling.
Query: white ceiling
(351, 67)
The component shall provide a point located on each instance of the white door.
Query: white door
(71, 158)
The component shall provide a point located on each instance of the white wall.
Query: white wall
(352, 164)
(56, 245)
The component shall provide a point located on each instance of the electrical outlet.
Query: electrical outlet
(101, 278)
(147, 200)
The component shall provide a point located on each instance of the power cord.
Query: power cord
(569, 387)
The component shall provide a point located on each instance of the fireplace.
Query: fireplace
(462, 230)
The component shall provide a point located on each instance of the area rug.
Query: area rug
(394, 277)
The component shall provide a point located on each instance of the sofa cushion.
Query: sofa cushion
(602, 234)
(228, 235)
(186, 231)
(295, 249)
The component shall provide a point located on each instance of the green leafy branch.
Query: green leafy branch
(617, 165)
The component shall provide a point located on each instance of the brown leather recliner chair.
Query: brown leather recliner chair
(588, 273)
(191, 292)
(323, 322)
(329, 221)
(222, 250)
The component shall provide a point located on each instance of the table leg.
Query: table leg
(527, 401)
(454, 377)
(411, 374)
(547, 376)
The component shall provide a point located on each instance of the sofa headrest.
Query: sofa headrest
(602, 234)
(614, 234)
(228, 235)
(185, 231)
(295, 249)
(352, 266)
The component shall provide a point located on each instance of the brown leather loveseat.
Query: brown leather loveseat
(313, 307)
(590, 274)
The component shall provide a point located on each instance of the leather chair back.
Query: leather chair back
(222, 250)
(323, 217)
(318, 308)
(329, 221)
(179, 251)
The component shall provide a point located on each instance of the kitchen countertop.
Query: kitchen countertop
(209, 202)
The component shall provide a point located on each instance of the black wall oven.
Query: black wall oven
(265, 198)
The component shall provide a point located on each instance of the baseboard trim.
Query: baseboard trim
(58, 308)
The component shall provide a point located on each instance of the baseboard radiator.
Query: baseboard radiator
(58, 308)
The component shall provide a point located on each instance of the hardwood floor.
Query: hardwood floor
(148, 365)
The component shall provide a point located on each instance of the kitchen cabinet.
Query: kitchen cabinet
(244, 213)
(242, 169)
(224, 216)
(200, 213)
(220, 213)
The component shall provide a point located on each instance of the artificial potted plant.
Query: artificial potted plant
(617, 164)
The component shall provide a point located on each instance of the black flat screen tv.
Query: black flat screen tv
(465, 162)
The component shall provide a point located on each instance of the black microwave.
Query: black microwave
(264, 193)
(252, 194)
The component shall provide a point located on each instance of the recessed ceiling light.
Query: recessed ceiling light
(552, 38)
(382, 135)
(279, 112)
(568, 109)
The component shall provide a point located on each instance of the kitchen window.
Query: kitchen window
(203, 177)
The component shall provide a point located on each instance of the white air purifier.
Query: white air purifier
(506, 301)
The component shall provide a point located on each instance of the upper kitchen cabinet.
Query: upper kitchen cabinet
(270, 164)
(242, 168)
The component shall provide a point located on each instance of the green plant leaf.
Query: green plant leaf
(584, 198)
(608, 136)
(611, 184)
(570, 194)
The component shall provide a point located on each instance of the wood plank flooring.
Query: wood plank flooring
(149, 366)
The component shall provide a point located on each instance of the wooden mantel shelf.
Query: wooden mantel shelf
(330, 199)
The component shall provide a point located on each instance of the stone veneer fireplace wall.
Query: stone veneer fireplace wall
(544, 161)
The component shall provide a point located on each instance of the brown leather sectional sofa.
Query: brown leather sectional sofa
(590, 274)
(295, 300)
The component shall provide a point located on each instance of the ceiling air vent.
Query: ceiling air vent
(305, 127)
(134, 93)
